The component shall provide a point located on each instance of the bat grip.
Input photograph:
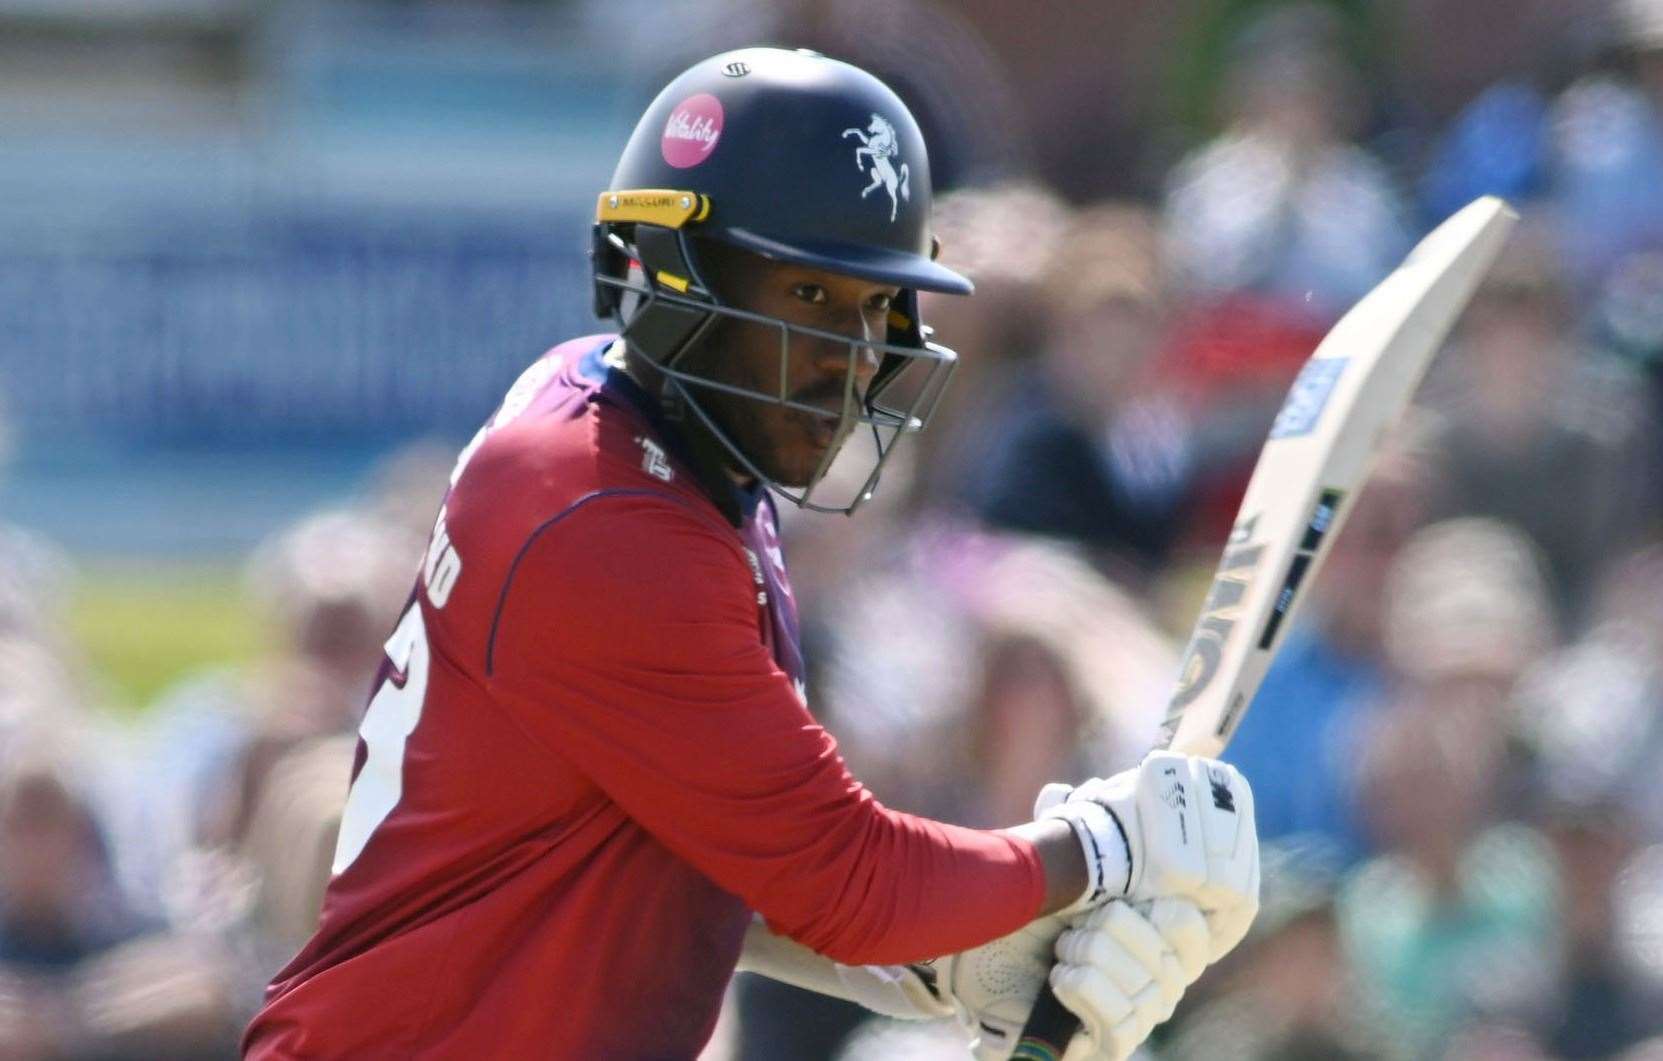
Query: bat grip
(1049, 1030)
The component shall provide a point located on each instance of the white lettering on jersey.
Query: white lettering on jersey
(442, 566)
(392, 716)
(756, 573)
(653, 461)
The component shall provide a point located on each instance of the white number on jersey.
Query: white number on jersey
(389, 720)
(442, 565)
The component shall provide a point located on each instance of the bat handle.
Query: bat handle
(1048, 1032)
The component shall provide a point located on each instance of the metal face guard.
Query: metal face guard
(899, 400)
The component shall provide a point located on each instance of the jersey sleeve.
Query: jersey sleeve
(628, 643)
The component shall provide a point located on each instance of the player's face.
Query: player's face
(787, 444)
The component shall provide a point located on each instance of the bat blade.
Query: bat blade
(1351, 391)
(1355, 386)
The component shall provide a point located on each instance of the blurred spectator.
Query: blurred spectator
(1288, 994)
(1227, 365)
(1453, 922)
(1607, 146)
(1004, 238)
(1593, 716)
(331, 586)
(261, 895)
(1331, 672)
(1498, 145)
(1603, 1004)
(1085, 449)
(1281, 204)
(81, 974)
(1271, 232)
(60, 901)
(334, 583)
(1627, 316)
(249, 767)
(1593, 153)
(1528, 415)
(1467, 613)
(1593, 712)
(1466, 606)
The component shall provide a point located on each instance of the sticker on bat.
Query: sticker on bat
(1308, 397)
(1218, 617)
(1227, 725)
(1316, 529)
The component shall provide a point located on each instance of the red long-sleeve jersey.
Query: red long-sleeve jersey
(588, 759)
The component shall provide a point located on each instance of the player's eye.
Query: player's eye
(810, 293)
(880, 303)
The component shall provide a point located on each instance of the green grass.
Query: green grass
(144, 627)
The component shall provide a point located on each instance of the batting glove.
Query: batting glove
(1175, 825)
(1120, 971)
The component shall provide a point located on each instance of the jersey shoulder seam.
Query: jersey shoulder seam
(606, 493)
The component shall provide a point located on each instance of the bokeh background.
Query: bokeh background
(265, 264)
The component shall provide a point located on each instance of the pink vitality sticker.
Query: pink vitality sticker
(691, 133)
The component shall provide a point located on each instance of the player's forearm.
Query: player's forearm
(904, 889)
(892, 990)
(1059, 852)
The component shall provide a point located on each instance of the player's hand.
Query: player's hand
(1120, 971)
(1175, 825)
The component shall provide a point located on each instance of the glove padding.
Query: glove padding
(1122, 975)
(1188, 829)
(1120, 971)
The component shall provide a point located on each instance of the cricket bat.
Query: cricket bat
(1348, 395)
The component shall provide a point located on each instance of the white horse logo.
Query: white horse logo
(878, 144)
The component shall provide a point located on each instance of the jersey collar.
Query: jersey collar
(604, 366)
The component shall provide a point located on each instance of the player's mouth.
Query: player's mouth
(822, 428)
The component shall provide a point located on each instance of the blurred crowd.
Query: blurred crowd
(1455, 756)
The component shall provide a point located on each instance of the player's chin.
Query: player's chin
(797, 470)
(796, 448)
(795, 466)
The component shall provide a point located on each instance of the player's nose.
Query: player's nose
(838, 360)
(839, 357)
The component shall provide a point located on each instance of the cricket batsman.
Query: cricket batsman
(587, 786)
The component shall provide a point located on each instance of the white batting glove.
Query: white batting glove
(1175, 825)
(1120, 971)
(992, 988)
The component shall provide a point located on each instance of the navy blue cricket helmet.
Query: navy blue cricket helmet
(798, 158)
